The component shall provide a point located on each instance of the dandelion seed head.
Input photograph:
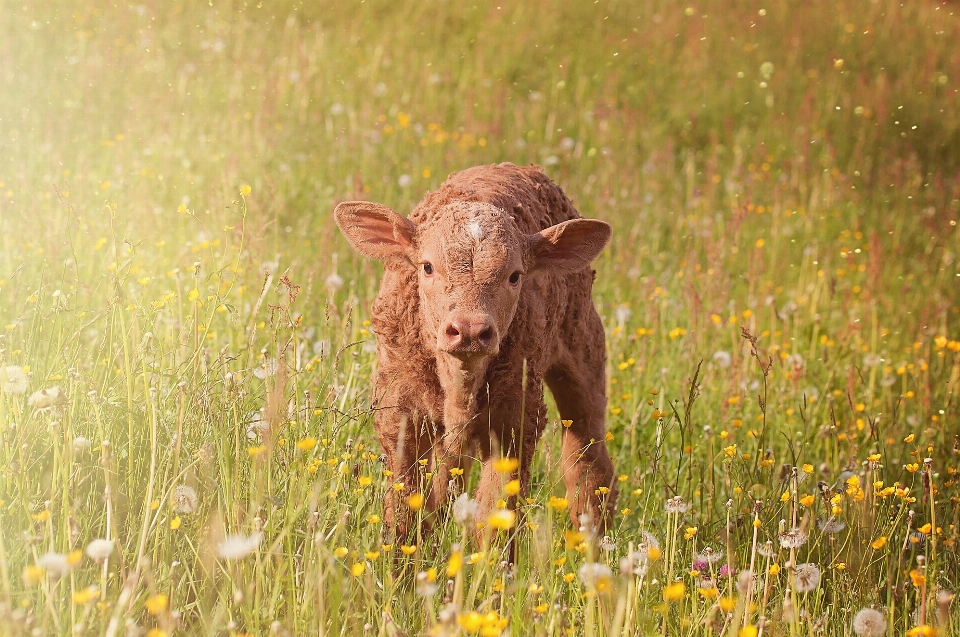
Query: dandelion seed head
(676, 505)
(237, 545)
(595, 576)
(99, 550)
(185, 499)
(722, 358)
(55, 564)
(746, 582)
(81, 444)
(793, 539)
(465, 509)
(16, 380)
(869, 622)
(766, 549)
(333, 282)
(806, 577)
(46, 398)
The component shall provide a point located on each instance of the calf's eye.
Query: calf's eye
(514, 278)
(427, 269)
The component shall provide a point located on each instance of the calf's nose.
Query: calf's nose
(469, 334)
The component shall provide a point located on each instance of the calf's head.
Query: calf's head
(472, 262)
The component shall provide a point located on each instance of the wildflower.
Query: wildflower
(333, 282)
(358, 569)
(558, 504)
(32, 575)
(86, 595)
(267, 368)
(415, 501)
(922, 631)
(502, 519)
(918, 578)
(427, 582)
(245, 190)
(506, 465)
(708, 589)
(607, 544)
(257, 427)
(237, 546)
(456, 561)
(766, 549)
(47, 398)
(512, 487)
(831, 525)
(674, 592)
(408, 549)
(404, 180)
(16, 380)
(722, 358)
(156, 604)
(307, 444)
(869, 623)
(727, 604)
(99, 550)
(596, 576)
(465, 509)
(55, 564)
(185, 499)
(81, 444)
(746, 581)
(806, 577)
(793, 539)
(676, 505)
(635, 563)
(690, 533)
(748, 631)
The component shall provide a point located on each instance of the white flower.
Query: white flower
(46, 398)
(404, 180)
(793, 539)
(635, 563)
(831, 525)
(56, 564)
(595, 575)
(806, 577)
(237, 546)
(267, 368)
(185, 499)
(722, 358)
(334, 282)
(16, 380)
(869, 623)
(622, 313)
(257, 427)
(676, 505)
(99, 550)
(871, 360)
(465, 509)
(81, 444)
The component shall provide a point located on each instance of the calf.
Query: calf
(486, 295)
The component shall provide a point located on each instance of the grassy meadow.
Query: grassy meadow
(185, 434)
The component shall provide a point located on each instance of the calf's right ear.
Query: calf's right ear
(374, 230)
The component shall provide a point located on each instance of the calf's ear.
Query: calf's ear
(569, 246)
(374, 230)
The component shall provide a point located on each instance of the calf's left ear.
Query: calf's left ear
(569, 246)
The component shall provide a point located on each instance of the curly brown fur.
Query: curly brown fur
(463, 351)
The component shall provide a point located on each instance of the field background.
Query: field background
(169, 261)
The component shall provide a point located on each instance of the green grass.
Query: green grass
(786, 173)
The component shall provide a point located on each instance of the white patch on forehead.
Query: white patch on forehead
(476, 230)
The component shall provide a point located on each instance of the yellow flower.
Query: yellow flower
(470, 622)
(340, 551)
(690, 533)
(373, 519)
(408, 549)
(727, 604)
(156, 604)
(730, 451)
(255, 451)
(748, 631)
(43, 516)
(512, 487)
(925, 529)
(558, 504)
(32, 575)
(307, 444)
(912, 468)
(86, 595)
(709, 593)
(456, 471)
(922, 631)
(364, 481)
(541, 609)
(502, 519)
(807, 500)
(175, 523)
(918, 578)
(654, 553)
(372, 555)
(909, 438)
(74, 557)
(455, 563)
(506, 465)
(415, 501)
(674, 592)
(785, 497)
(357, 569)
(879, 543)
(245, 190)
(566, 423)
(808, 468)
(774, 569)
